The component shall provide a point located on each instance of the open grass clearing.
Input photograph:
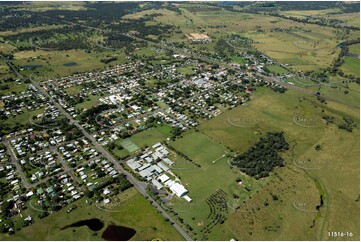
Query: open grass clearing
(129, 211)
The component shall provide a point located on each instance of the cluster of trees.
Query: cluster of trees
(108, 60)
(90, 114)
(223, 48)
(121, 181)
(65, 38)
(95, 13)
(339, 60)
(262, 158)
(140, 28)
(11, 20)
(218, 208)
(328, 119)
(347, 124)
(278, 89)
(334, 23)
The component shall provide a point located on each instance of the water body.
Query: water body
(32, 66)
(118, 233)
(70, 64)
(93, 224)
(321, 203)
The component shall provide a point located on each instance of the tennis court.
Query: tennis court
(129, 145)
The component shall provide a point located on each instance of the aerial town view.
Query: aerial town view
(180, 120)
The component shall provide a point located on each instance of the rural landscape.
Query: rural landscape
(180, 121)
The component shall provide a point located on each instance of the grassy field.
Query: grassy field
(22, 118)
(14, 88)
(351, 66)
(214, 174)
(73, 90)
(238, 60)
(89, 102)
(352, 19)
(293, 185)
(355, 49)
(129, 211)
(51, 63)
(186, 70)
(276, 69)
(336, 88)
(151, 136)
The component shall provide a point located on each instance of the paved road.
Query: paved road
(140, 186)
(18, 167)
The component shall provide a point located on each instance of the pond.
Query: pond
(118, 233)
(70, 64)
(93, 224)
(32, 66)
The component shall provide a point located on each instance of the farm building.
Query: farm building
(195, 37)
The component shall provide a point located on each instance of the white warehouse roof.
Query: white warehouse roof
(178, 189)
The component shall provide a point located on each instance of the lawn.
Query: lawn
(276, 69)
(23, 118)
(129, 211)
(188, 70)
(238, 60)
(199, 148)
(73, 90)
(90, 101)
(151, 136)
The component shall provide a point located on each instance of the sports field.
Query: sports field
(276, 69)
(214, 174)
(129, 145)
